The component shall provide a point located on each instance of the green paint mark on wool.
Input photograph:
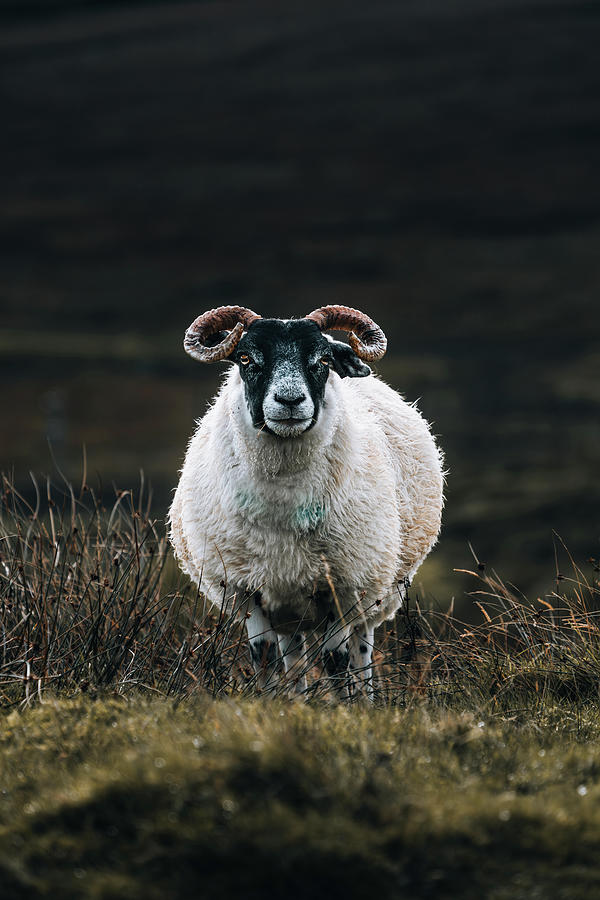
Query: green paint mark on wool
(250, 504)
(305, 517)
(309, 516)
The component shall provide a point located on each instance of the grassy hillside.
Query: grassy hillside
(138, 759)
(147, 799)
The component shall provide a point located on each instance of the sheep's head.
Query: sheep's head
(285, 363)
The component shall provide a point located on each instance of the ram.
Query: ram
(310, 493)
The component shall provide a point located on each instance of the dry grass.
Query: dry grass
(91, 600)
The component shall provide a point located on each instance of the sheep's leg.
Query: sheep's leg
(361, 655)
(292, 651)
(336, 655)
(263, 644)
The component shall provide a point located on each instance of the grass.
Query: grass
(90, 600)
(138, 758)
(145, 798)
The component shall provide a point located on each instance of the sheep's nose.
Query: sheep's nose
(289, 400)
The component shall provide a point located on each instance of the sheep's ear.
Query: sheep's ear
(345, 361)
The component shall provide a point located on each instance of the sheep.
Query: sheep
(310, 493)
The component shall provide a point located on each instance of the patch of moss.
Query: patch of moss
(142, 798)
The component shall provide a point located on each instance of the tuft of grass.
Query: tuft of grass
(90, 599)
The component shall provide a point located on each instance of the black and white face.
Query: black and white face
(284, 365)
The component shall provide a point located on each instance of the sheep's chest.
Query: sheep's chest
(279, 538)
(292, 511)
(288, 535)
(288, 542)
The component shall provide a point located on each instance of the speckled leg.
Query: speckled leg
(263, 645)
(335, 654)
(361, 655)
(293, 654)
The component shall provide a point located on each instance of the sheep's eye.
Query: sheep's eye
(325, 360)
(244, 359)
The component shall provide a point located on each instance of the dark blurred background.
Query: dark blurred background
(432, 163)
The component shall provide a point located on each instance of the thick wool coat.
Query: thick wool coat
(339, 517)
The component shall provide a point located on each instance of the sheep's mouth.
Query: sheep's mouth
(291, 422)
(289, 427)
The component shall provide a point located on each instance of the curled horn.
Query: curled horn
(366, 337)
(233, 319)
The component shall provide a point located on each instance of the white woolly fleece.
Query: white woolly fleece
(356, 502)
